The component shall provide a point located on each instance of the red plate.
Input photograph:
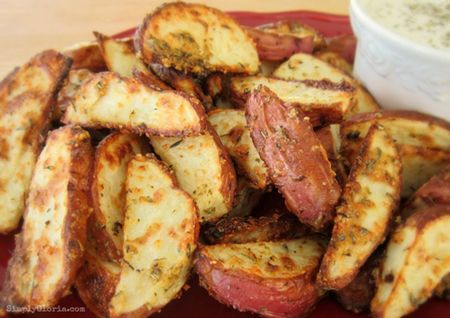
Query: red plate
(196, 302)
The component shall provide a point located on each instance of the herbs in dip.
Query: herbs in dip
(426, 22)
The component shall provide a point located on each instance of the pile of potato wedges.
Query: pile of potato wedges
(135, 163)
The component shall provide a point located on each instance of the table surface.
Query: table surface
(30, 26)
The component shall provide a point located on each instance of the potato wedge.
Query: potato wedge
(419, 165)
(307, 67)
(434, 191)
(330, 138)
(110, 101)
(335, 60)
(203, 169)
(119, 56)
(295, 158)
(322, 101)
(96, 282)
(182, 82)
(108, 191)
(246, 198)
(239, 230)
(49, 250)
(272, 279)
(405, 127)
(272, 46)
(417, 259)
(197, 39)
(160, 237)
(231, 126)
(27, 98)
(297, 29)
(67, 93)
(369, 199)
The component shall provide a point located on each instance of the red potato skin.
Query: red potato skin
(277, 47)
(345, 46)
(296, 160)
(276, 298)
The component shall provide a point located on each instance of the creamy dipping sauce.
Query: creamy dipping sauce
(426, 22)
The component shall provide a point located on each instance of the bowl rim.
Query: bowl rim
(356, 11)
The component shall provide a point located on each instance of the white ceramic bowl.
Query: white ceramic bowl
(398, 72)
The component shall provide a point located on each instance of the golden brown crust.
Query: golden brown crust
(182, 82)
(297, 163)
(96, 283)
(193, 45)
(29, 279)
(238, 230)
(86, 56)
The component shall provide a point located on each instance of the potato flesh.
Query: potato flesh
(201, 170)
(108, 189)
(231, 126)
(26, 98)
(160, 233)
(119, 56)
(109, 101)
(261, 258)
(369, 198)
(401, 286)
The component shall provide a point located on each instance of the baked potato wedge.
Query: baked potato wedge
(194, 38)
(108, 100)
(363, 217)
(239, 230)
(67, 93)
(203, 169)
(405, 127)
(96, 282)
(119, 57)
(272, 279)
(344, 45)
(419, 165)
(160, 237)
(108, 191)
(417, 259)
(295, 158)
(49, 249)
(323, 102)
(308, 67)
(27, 98)
(273, 46)
(330, 138)
(231, 126)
